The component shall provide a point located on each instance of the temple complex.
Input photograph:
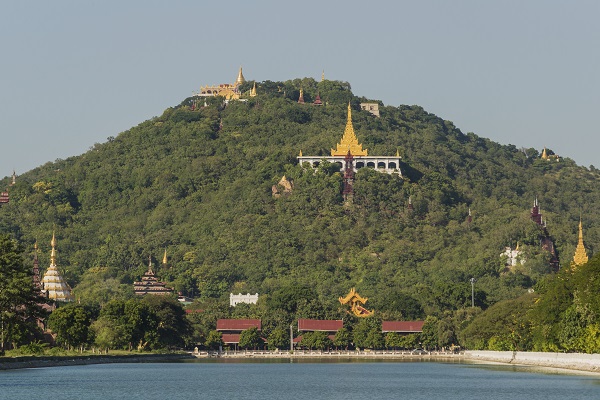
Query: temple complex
(235, 299)
(356, 303)
(373, 108)
(53, 284)
(150, 283)
(580, 257)
(360, 158)
(231, 91)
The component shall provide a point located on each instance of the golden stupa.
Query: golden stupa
(580, 256)
(349, 142)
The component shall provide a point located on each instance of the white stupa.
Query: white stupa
(53, 284)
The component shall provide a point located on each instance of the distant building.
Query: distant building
(227, 90)
(402, 327)
(349, 144)
(513, 256)
(232, 328)
(319, 325)
(373, 108)
(150, 284)
(235, 299)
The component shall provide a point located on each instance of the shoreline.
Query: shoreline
(7, 363)
(561, 362)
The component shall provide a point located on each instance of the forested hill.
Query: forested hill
(196, 182)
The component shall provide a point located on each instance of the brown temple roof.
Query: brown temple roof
(237, 324)
(325, 325)
(402, 326)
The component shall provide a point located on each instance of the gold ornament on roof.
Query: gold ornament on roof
(356, 303)
(349, 142)
(580, 256)
(240, 79)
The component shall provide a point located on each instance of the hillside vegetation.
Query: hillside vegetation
(197, 183)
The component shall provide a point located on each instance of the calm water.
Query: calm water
(297, 381)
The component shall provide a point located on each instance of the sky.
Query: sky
(73, 73)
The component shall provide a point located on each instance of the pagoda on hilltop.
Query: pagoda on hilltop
(349, 144)
(53, 284)
(231, 91)
(580, 257)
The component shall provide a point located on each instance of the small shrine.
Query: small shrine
(150, 283)
(580, 257)
(360, 159)
(283, 187)
(53, 284)
(356, 303)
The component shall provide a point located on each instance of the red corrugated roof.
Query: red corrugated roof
(230, 338)
(402, 326)
(237, 324)
(326, 325)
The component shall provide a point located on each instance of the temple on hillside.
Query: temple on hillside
(546, 241)
(231, 91)
(356, 303)
(53, 284)
(349, 145)
(580, 257)
(150, 283)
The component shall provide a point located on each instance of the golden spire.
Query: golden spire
(323, 76)
(240, 79)
(580, 256)
(349, 142)
(544, 154)
(165, 258)
(53, 253)
(253, 91)
(300, 155)
(397, 153)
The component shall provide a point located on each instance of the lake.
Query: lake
(282, 379)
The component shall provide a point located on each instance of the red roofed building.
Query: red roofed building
(405, 327)
(231, 328)
(331, 326)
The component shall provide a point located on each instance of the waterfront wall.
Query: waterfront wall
(576, 361)
(40, 362)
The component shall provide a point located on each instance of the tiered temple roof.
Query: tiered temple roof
(150, 283)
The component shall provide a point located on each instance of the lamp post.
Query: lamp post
(472, 292)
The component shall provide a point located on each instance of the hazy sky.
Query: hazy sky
(73, 73)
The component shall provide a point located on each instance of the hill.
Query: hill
(196, 182)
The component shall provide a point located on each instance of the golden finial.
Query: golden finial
(165, 258)
(349, 142)
(323, 76)
(580, 256)
(300, 155)
(240, 79)
(53, 253)
(397, 153)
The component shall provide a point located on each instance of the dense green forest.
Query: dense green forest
(196, 182)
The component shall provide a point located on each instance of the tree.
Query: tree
(214, 340)
(250, 338)
(342, 338)
(72, 325)
(279, 338)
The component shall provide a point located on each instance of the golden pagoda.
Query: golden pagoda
(253, 91)
(240, 79)
(349, 142)
(545, 155)
(53, 284)
(580, 256)
(356, 303)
